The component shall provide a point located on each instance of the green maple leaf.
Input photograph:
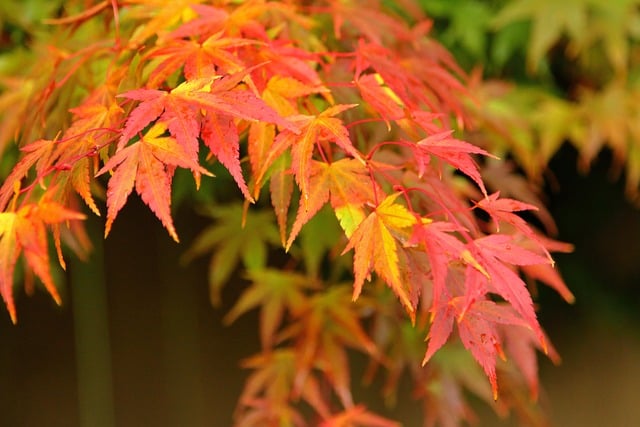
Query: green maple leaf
(274, 291)
(231, 241)
(550, 20)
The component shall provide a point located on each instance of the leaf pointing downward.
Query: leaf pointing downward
(376, 247)
(346, 184)
(147, 164)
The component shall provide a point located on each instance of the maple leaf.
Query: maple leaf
(38, 153)
(520, 346)
(260, 141)
(442, 248)
(14, 104)
(309, 131)
(24, 231)
(358, 416)
(198, 59)
(550, 19)
(281, 187)
(376, 247)
(180, 117)
(267, 390)
(369, 22)
(502, 209)
(148, 164)
(275, 291)
(180, 110)
(346, 183)
(477, 330)
(502, 177)
(381, 98)
(418, 81)
(158, 15)
(385, 63)
(324, 330)
(283, 92)
(235, 236)
(547, 274)
(453, 151)
(493, 253)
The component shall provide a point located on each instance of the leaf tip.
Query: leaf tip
(12, 313)
(545, 347)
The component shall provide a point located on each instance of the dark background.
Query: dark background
(172, 363)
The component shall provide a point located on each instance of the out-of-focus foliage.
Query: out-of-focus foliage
(554, 71)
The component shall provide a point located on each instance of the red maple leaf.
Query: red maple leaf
(453, 151)
(148, 164)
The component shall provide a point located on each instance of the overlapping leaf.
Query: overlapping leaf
(309, 131)
(346, 184)
(24, 232)
(147, 164)
(376, 242)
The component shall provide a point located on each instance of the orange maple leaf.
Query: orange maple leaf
(149, 164)
(24, 231)
(376, 243)
(346, 183)
(302, 141)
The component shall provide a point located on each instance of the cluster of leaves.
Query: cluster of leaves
(575, 66)
(336, 120)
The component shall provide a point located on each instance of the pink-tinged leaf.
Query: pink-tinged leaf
(381, 99)
(125, 163)
(504, 247)
(442, 248)
(502, 210)
(481, 339)
(226, 97)
(183, 123)
(504, 281)
(453, 151)
(148, 110)
(547, 274)
(440, 329)
(210, 20)
(198, 59)
(148, 164)
(220, 134)
(358, 416)
(520, 346)
(493, 312)
(153, 184)
(181, 118)
(332, 129)
(314, 129)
